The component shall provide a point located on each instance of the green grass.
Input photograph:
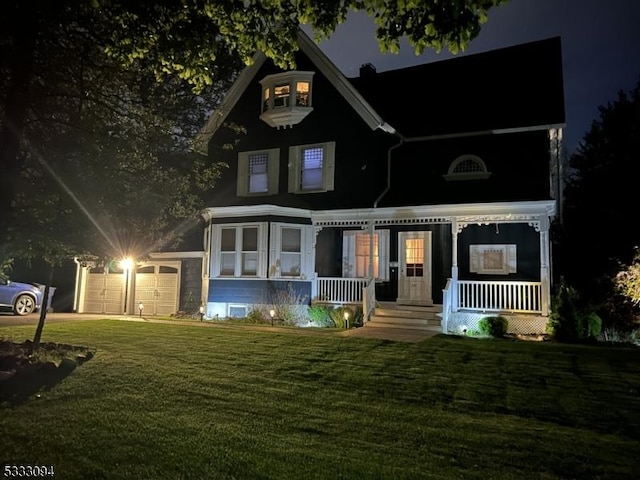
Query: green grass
(163, 401)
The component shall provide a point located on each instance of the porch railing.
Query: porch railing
(340, 290)
(524, 297)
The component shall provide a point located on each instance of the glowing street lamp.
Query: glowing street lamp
(346, 319)
(272, 313)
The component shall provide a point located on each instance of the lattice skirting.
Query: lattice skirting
(518, 324)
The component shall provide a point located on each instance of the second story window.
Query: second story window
(280, 96)
(258, 172)
(286, 98)
(311, 168)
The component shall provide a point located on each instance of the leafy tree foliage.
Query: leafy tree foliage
(187, 37)
(628, 280)
(601, 199)
(102, 162)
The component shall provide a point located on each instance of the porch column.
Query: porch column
(370, 231)
(314, 280)
(455, 229)
(544, 265)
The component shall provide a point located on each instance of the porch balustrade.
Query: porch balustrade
(472, 295)
(500, 296)
(340, 290)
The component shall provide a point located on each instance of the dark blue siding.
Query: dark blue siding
(254, 291)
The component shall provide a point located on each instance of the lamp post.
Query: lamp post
(346, 319)
(140, 308)
(126, 264)
(201, 311)
(272, 313)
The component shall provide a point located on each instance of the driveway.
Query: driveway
(9, 320)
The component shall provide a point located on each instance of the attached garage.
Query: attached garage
(104, 291)
(156, 287)
(164, 284)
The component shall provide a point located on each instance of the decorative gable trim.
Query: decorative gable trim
(328, 69)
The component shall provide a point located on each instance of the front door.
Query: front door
(414, 275)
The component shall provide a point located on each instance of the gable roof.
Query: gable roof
(328, 69)
(509, 89)
(512, 89)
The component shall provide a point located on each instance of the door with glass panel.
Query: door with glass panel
(414, 272)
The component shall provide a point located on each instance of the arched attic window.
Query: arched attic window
(467, 167)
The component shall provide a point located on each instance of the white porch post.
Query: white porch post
(370, 231)
(455, 229)
(314, 280)
(544, 265)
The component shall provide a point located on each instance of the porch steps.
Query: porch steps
(391, 315)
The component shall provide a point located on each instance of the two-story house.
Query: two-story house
(425, 188)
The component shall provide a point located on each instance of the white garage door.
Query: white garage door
(104, 291)
(157, 288)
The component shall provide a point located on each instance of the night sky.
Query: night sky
(600, 43)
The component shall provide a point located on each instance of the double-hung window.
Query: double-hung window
(358, 247)
(239, 250)
(311, 168)
(258, 172)
(290, 255)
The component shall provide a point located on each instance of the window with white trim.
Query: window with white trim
(467, 167)
(311, 168)
(239, 250)
(286, 98)
(258, 172)
(290, 255)
(356, 251)
(493, 259)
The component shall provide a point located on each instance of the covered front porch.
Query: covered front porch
(461, 302)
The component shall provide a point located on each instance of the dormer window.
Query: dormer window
(467, 167)
(286, 98)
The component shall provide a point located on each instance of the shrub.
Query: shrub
(319, 316)
(493, 326)
(256, 315)
(337, 315)
(570, 323)
(290, 306)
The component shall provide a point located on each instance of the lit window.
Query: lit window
(467, 167)
(281, 96)
(286, 98)
(302, 94)
(258, 172)
(356, 251)
(311, 168)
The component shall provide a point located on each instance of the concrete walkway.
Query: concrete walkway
(392, 334)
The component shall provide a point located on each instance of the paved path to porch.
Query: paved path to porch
(394, 334)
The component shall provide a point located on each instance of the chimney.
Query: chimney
(367, 70)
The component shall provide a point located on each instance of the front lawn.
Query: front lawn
(160, 401)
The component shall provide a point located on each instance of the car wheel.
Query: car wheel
(25, 304)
